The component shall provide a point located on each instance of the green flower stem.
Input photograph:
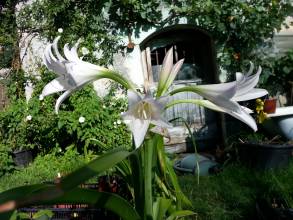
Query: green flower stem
(137, 179)
(147, 151)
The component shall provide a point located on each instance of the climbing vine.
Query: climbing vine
(239, 27)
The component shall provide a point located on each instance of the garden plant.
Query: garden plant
(146, 169)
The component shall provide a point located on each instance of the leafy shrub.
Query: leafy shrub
(6, 162)
(44, 168)
(34, 125)
(281, 78)
(102, 127)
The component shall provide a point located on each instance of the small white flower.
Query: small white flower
(104, 106)
(115, 123)
(97, 54)
(41, 97)
(118, 122)
(60, 30)
(84, 51)
(81, 119)
(28, 118)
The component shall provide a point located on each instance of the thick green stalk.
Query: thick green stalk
(138, 180)
(147, 152)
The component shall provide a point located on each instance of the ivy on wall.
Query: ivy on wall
(239, 27)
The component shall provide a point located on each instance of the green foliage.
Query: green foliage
(6, 162)
(102, 120)
(35, 125)
(232, 193)
(239, 28)
(44, 168)
(8, 33)
(13, 126)
(280, 80)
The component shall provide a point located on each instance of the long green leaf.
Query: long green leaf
(180, 214)
(105, 200)
(20, 192)
(174, 180)
(96, 166)
(137, 180)
(161, 206)
(147, 152)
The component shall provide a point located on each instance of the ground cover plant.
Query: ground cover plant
(45, 168)
(232, 193)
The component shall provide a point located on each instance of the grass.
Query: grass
(229, 195)
(232, 193)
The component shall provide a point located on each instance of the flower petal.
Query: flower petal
(51, 62)
(173, 74)
(61, 98)
(133, 98)
(56, 85)
(71, 54)
(139, 129)
(66, 94)
(241, 115)
(249, 83)
(55, 47)
(250, 69)
(252, 94)
(166, 66)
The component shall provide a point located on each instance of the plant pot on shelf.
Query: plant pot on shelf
(270, 105)
(265, 156)
(280, 122)
(22, 158)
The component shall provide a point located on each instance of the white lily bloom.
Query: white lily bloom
(81, 119)
(28, 118)
(219, 98)
(245, 86)
(73, 73)
(142, 112)
(168, 72)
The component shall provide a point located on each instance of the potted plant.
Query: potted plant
(258, 151)
(274, 208)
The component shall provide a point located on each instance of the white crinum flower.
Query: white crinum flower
(28, 118)
(81, 119)
(84, 51)
(144, 110)
(73, 73)
(168, 72)
(223, 97)
(245, 86)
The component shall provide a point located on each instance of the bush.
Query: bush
(6, 162)
(34, 125)
(44, 168)
(102, 127)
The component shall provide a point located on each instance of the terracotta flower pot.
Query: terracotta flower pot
(270, 106)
